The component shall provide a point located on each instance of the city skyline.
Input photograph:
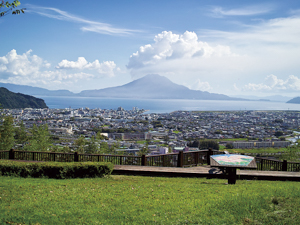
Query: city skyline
(231, 48)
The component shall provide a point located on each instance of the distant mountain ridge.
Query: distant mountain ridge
(29, 90)
(294, 100)
(154, 87)
(11, 100)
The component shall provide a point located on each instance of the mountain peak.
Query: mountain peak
(153, 86)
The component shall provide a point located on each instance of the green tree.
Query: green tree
(99, 136)
(143, 151)
(104, 148)
(40, 139)
(7, 133)
(10, 7)
(194, 144)
(206, 144)
(80, 144)
(92, 147)
(278, 133)
(229, 146)
(21, 135)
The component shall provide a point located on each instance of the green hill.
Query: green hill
(11, 100)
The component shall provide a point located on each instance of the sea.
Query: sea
(164, 105)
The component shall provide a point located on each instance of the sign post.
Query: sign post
(231, 162)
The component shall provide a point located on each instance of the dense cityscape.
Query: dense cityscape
(134, 130)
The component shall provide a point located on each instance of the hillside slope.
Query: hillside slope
(153, 87)
(11, 100)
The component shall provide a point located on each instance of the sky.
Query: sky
(228, 47)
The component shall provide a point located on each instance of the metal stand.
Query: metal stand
(231, 175)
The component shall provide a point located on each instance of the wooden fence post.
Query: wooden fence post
(284, 165)
(53, 156)
(11, 154)
(144, 160)
(76, 158)
(180, 159)
(209, 153)
(196, 158)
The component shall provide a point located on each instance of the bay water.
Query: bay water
(164, 105)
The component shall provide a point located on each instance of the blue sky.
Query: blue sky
(229, 47)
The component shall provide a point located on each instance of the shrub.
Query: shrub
(206, 144)
(58, 170)
(229, 146)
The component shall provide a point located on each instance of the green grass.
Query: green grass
(232, 139)
(257, 150)
(176, 131)
(147, 200)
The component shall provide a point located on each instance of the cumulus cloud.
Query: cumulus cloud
(202, 86)
(171, 53)
(273, 83)
(28, 69)
(106, 67)
(21, 65)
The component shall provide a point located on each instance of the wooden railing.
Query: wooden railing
(114, 159)
(266, 164)
(4, 154)
(181, 159)
(166, 160)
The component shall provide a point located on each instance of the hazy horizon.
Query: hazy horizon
(227, 47)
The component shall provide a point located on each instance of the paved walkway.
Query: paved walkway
(204, 171)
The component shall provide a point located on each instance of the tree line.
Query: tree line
(38, 138)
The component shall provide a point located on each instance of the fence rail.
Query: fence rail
(276, 165)
(4, 154)
(181, 159)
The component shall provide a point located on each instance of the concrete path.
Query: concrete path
(203, 171)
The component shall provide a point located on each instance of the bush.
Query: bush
(206, 144)
(229, 146)
(58, 170)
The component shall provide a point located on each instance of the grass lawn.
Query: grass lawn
(258, 150)
(147, 200)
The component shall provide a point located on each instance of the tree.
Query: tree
(278, 133)
(80, 144)
(208, 144)
(40, 139)
(10, 7)
(104, 148)
(194, 144)
(229, 146)
(21, 135)
(92, 147)
(99, 136)
(143, 151)
(7, 133)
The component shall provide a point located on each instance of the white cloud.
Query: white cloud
(28, 69)
(202, 86)
(105, 68)
(175, 54)
(273, 83)
(88, 25)
(21, 65)
(278, 31)
(245, 11)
